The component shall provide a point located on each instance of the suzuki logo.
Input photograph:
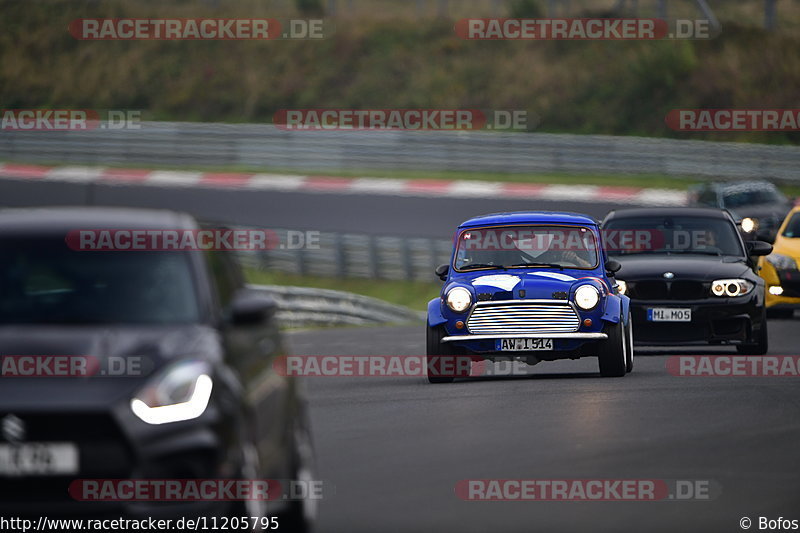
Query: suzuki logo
(13, 428)
(669, 275)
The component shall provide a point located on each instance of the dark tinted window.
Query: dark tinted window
(44, 282)
(672, 234)
(793, 227)
(738, 198)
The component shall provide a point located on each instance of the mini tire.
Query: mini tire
(612, 358)
(629, 346)
(435, 349)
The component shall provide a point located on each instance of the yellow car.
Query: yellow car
(780, 268)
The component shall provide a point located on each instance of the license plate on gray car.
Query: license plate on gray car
(38, 459)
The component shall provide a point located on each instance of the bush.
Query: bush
(525, 9)
(310, 8)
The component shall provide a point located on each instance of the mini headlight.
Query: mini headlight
(459, 299)
(182, 392)
(731, 287)
(622, 287)
(586, 297)
(782, 262)
(749, 225)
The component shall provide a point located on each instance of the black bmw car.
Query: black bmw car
(690, 276)
(139, 365)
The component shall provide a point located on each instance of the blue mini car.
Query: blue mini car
(528, 286)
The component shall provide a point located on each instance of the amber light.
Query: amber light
(587, 322)
(459, 325)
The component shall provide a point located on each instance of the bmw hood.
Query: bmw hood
(695, 267)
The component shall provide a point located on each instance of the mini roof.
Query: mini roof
(529, 217)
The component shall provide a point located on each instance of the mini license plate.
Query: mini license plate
(669, 314)
(523, 345)
(38, 459)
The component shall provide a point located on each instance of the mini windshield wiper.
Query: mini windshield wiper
(524, 265)
(475, 266)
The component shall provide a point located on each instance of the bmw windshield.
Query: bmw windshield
(673, 235)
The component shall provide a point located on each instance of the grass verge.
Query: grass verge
(412, 294)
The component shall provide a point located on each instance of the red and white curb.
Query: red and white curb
(330, 184)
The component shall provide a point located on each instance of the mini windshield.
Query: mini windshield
(526, 246)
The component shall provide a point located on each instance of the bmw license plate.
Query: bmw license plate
(38, 459)
(669, 314)
(523, 345)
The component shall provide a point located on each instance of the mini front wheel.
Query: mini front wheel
(612, 357)
(435, 349)
(629, 346)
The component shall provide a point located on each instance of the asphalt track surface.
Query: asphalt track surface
(391, 450)
(353, 213)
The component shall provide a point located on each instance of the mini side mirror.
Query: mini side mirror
(442, 271)
(756, 248)
(613, 266)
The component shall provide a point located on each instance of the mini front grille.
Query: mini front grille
(520, 317)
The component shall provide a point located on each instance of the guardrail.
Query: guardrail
(258, 146)
(302, 307)
(356, 256)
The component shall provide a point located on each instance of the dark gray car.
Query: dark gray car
(184, 386)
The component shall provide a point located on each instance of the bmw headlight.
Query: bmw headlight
(181, 392)
(731, 287)
(622, 287)
(749, 225)
(459, 299)
(782, 262)
(587, 297)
